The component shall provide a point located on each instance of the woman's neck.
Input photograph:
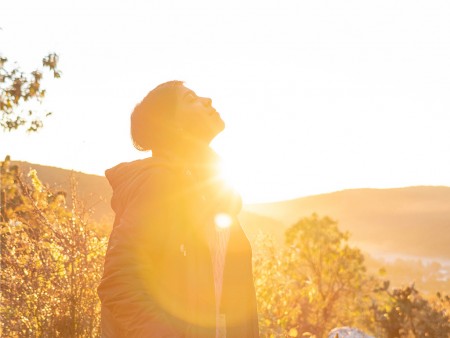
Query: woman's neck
(195, 156)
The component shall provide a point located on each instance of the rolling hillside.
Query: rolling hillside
(412, 221)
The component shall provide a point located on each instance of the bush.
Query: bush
(51, 261)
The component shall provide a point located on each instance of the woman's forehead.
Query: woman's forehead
(184, 92)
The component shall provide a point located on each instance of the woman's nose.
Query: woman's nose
(207, 101)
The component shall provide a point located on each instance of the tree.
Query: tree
(51, 261)
(330, 272)
(18, 88)
(313, 284)
(275, 291)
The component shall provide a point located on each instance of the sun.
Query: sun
(254, 166)
(248, 179)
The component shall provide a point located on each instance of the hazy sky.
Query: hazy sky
(318, 96)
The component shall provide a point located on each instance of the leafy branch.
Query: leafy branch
(17, 88)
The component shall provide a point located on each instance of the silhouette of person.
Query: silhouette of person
(178, 263)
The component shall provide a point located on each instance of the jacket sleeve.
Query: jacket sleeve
(129, 287)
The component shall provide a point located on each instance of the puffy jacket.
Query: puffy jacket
(158, 279)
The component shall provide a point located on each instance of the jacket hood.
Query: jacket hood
(127, 171)
(125, 178)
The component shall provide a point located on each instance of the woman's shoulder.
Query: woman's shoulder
(143, 179)
(139, 169)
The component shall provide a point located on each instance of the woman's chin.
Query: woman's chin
(219, 129)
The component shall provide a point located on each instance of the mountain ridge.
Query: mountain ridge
(382, 219)
(412, 221)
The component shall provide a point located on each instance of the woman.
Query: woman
(178, 263)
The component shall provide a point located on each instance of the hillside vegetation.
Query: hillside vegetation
(404, 232)
(307, 282)
(412, 221)
(94, 190)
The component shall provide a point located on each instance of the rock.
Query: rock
(347, 332)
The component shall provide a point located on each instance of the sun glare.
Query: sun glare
(239, 177)
(223, 220)
(245, 179)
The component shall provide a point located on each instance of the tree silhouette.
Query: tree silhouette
(405, 313)
(21, 91)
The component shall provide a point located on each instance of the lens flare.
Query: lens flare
(223, 220)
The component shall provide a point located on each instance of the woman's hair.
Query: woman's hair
(150, 119)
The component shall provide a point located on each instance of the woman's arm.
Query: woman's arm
(129, 288)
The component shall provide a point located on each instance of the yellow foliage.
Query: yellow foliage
(57, 256)
(293, 332)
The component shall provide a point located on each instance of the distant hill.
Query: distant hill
(253, 224)
(94, 190)
(411, 221)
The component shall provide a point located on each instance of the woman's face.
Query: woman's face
(196, 116)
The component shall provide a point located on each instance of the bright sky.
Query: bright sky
(318, 96)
